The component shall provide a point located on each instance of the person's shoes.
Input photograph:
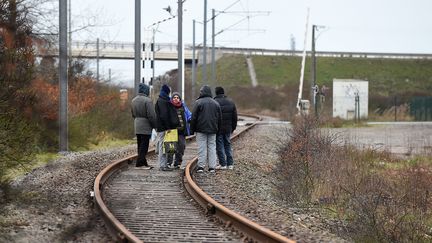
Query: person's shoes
(144, 167)
(176, 167)
(182, 167)
(219, 167)
(169, 165)
(200, 170)
(230, 167)
(211, 170)
(165, 169)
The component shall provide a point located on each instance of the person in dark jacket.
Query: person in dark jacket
(183, 129)
(205, 122)
(144, 121)
(167, 119)
(228, 125)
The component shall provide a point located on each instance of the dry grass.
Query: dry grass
(380, 203)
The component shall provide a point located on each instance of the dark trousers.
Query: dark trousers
(224, 150)
(143, 141)
(181, 146)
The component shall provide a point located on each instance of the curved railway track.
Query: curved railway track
(155, 206)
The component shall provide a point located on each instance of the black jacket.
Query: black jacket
(229, 114)
(206, 114)
(166, 115)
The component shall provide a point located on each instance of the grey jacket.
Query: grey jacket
(143, 113)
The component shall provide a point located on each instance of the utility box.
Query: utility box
(304, 107)
(350, 98)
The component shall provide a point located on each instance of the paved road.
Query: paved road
(401, 138)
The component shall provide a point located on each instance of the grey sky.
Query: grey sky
(398, 26)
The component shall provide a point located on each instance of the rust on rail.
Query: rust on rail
(248, 228)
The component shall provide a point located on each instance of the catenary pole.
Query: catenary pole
(97, 59)
(213, 70)
(180, 76)
(63, 114)
(313, 69)
(193, 61)
(70, 35)
(204, 68)
(153, 50)
(137, 44)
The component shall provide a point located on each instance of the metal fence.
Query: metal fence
(421, 108)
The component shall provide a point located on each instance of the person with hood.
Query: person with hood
(144, 121)
(205, 122)
(184, 116)
(166, 116)
(228, 125)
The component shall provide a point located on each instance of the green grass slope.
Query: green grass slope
(278, 78)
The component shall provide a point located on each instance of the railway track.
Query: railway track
(155, 206)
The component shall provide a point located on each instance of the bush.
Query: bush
(16, 144)
(302, 159)
(107, 120)
(378, 203)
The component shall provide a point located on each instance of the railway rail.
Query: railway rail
(155, 206)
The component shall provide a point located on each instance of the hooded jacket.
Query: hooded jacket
(143, 111)
(206, 114)
(165, 112)
(229, 114)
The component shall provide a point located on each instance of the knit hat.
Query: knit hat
(143, 89)
(219, 90)
(176, 93)
(165, 89)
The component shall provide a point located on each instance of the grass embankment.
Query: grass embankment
(44, 158)
(278, 78)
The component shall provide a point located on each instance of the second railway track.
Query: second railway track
(153, 206)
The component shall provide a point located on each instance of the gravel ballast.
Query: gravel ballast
(53, 203)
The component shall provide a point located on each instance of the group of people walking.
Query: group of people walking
(212, 120)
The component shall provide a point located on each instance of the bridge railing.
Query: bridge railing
(128, 48)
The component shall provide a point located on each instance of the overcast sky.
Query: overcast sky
(397, 26)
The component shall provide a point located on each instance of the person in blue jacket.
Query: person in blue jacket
(184, 116)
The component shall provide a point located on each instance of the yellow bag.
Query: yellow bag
(171, 135)
(170, 141)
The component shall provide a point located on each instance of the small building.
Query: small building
(350, 98)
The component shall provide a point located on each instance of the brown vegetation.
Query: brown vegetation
(379, 204)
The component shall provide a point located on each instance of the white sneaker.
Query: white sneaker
(221, 167)
(231, 167)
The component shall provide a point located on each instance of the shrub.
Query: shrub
(379, 203)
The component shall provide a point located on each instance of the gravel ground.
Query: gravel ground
(251, 186)
(53, 204)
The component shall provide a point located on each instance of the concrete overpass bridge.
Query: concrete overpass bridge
(168, 52)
